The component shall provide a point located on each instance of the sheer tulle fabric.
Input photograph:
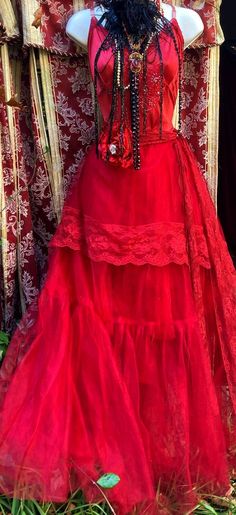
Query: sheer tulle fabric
(128, 362)
(128, 368)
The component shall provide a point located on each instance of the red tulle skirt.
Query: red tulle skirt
(128, 362)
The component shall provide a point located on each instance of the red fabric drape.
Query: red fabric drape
(24, 251)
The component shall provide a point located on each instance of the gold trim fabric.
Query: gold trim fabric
(31, 34)
(8, 19)
(31, 205)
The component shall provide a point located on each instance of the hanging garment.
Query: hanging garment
(128, 362)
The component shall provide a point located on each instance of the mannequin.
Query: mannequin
(136, 319)
(189, 21)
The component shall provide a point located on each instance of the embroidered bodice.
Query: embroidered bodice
(154, 217)
(150, 102)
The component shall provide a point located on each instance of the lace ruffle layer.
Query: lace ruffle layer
(155, 243)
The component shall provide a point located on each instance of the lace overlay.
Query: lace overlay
(223, 275)
(148, 352)
(155, 243)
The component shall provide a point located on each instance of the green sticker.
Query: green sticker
(108, 480)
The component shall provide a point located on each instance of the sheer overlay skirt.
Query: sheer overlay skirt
(128, 362)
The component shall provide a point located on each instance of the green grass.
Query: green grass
(76, 505)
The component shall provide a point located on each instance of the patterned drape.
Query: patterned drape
(46, 126)
(201, 89)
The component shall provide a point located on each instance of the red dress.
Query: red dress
(128, 363)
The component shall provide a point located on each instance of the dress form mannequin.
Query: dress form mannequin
(189, 22)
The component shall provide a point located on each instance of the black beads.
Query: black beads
(135, 76)
(122, 92)
(104, 46)
(145, 92)
(180, 72)
(119, 40)
(161, 86)
(135, 119)
(114, 92)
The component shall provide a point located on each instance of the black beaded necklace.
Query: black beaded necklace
(118, 41)
(137, 55)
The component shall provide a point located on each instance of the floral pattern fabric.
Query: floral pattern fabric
(47, 126)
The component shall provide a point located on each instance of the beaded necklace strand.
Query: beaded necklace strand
(137, 68)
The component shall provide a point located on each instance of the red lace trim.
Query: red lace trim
(156, 243)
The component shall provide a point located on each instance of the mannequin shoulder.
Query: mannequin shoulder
(190, 24)
(77, 27)
(189, 21)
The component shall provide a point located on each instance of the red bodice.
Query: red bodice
(151, 105)
(128, 363)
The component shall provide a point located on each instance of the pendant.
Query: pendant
(113, 149)
(136, 60)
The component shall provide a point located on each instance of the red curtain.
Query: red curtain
(47, 125)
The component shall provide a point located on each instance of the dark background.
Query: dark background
(227, 119)
(228, 18)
